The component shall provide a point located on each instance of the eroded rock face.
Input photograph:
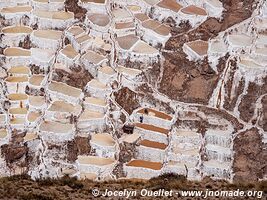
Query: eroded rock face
(77, 77)
(16, 155)
(79, 146)
(127, 152)
(26, 44)
(187, 81)
(82, 145)
(13, 153)
(72, 6)
(250, 156)
(118, 171)
(236, 12)
(15, 150)
(72, 152)
(127, 99)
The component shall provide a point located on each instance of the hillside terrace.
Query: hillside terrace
(74, 32)
(3, 119)
(4, 136)
(93, 5)
(91, 120)
(3, 133)
(33, 118)
(94, 164)
(96, 104)
(16, 84)
(17, 52)
(15, 13)
(93, 58)
(49, 39)
(106, 74)
(184, 168)
(103, 145)
(43, 58)
(62, 91)
(145, 164)
(237, 41)
(51, 5)
(37, 102)
(142, 169)
(214, 8)
(130, 46)
(152, 117)
(18, 99)
(196, 50)
(217, 169)
(13, 35)
(92, 160)
(53, 19)
(52, 131)
(97, 89)
(19, 71)
(151, 151)
(103, 139)
(153, 112)
(62, 110)
(151, 132)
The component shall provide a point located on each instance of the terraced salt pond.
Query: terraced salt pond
(155, 113)
(93, 160)
(145, 164)
(103, 139)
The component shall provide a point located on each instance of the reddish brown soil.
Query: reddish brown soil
(236, 11)
(190, 82)
(15, 145)
(79, 146)
(250, 156)
(152, 144)
(127, 152)
(79, 77)
(13, 153)
(72, 6)
(146, 94)
(152, 74)
(127, 99)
